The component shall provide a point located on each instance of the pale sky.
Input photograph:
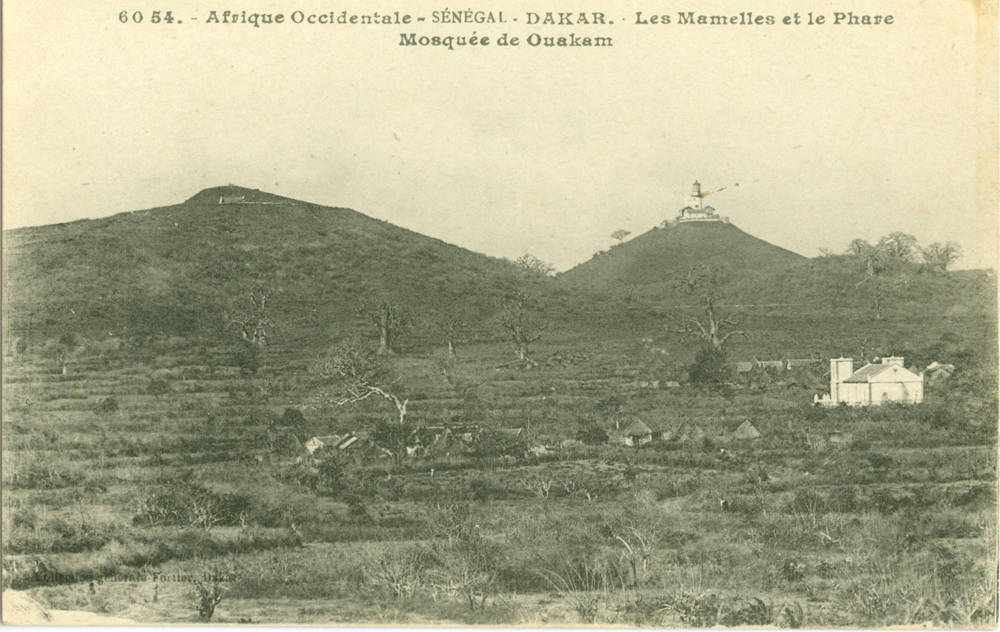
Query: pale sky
(831, 132)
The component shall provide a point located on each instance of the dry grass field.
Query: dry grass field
(144, 490)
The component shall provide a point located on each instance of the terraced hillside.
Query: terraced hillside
(154, 465)
(142, 478)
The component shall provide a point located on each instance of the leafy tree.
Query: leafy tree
(592, 433)
(899, 245)
(620, 235)
(293, 417)
(880, 293)
(709, 366)
(698, 277)
(858, 247)
(392, 437)
(495, 443)
(332, 471)
(452, 329)
(248, 358)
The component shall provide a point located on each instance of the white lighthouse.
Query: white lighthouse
(696, 211)
(694, 202)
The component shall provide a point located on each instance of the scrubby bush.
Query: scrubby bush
(107, 406)
(248, 358)
(208, 595)
(191, 504)
(709, 367)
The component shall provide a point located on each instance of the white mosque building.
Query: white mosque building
(873, 384)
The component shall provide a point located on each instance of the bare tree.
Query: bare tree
(248, 316)
(858, 247)
(519, 323)
(620, 235)
(899, 245)
(881, 293)
(826, 252)
(532, 264)
(389, 319)
(873, 259)
(452, 329)
(696, 277)
(357, 373)
(941, 255)
(711, 332)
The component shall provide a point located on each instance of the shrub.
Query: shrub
(190, 504)
(208, 596)
(399, 570)
(248, 359)
(107, 406)
(755, 612)
(709, 367)
(591, 433)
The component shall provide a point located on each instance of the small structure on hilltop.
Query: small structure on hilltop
(873, 384)
(232, 199)
(696, 211)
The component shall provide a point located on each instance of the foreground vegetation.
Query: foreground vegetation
(175, 490)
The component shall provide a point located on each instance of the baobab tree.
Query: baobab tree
(388, 316)
(941, 255)
(711, 331)
(248, 316)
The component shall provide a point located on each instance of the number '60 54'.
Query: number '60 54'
(136, 16)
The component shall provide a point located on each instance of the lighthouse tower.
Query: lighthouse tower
(694, 202)
(696, 211)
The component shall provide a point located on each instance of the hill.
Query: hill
(655, 257)
(175, 270)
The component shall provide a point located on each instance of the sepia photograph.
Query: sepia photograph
(537, 314)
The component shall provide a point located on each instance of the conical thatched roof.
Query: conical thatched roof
(746, 431)
(637, 429)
